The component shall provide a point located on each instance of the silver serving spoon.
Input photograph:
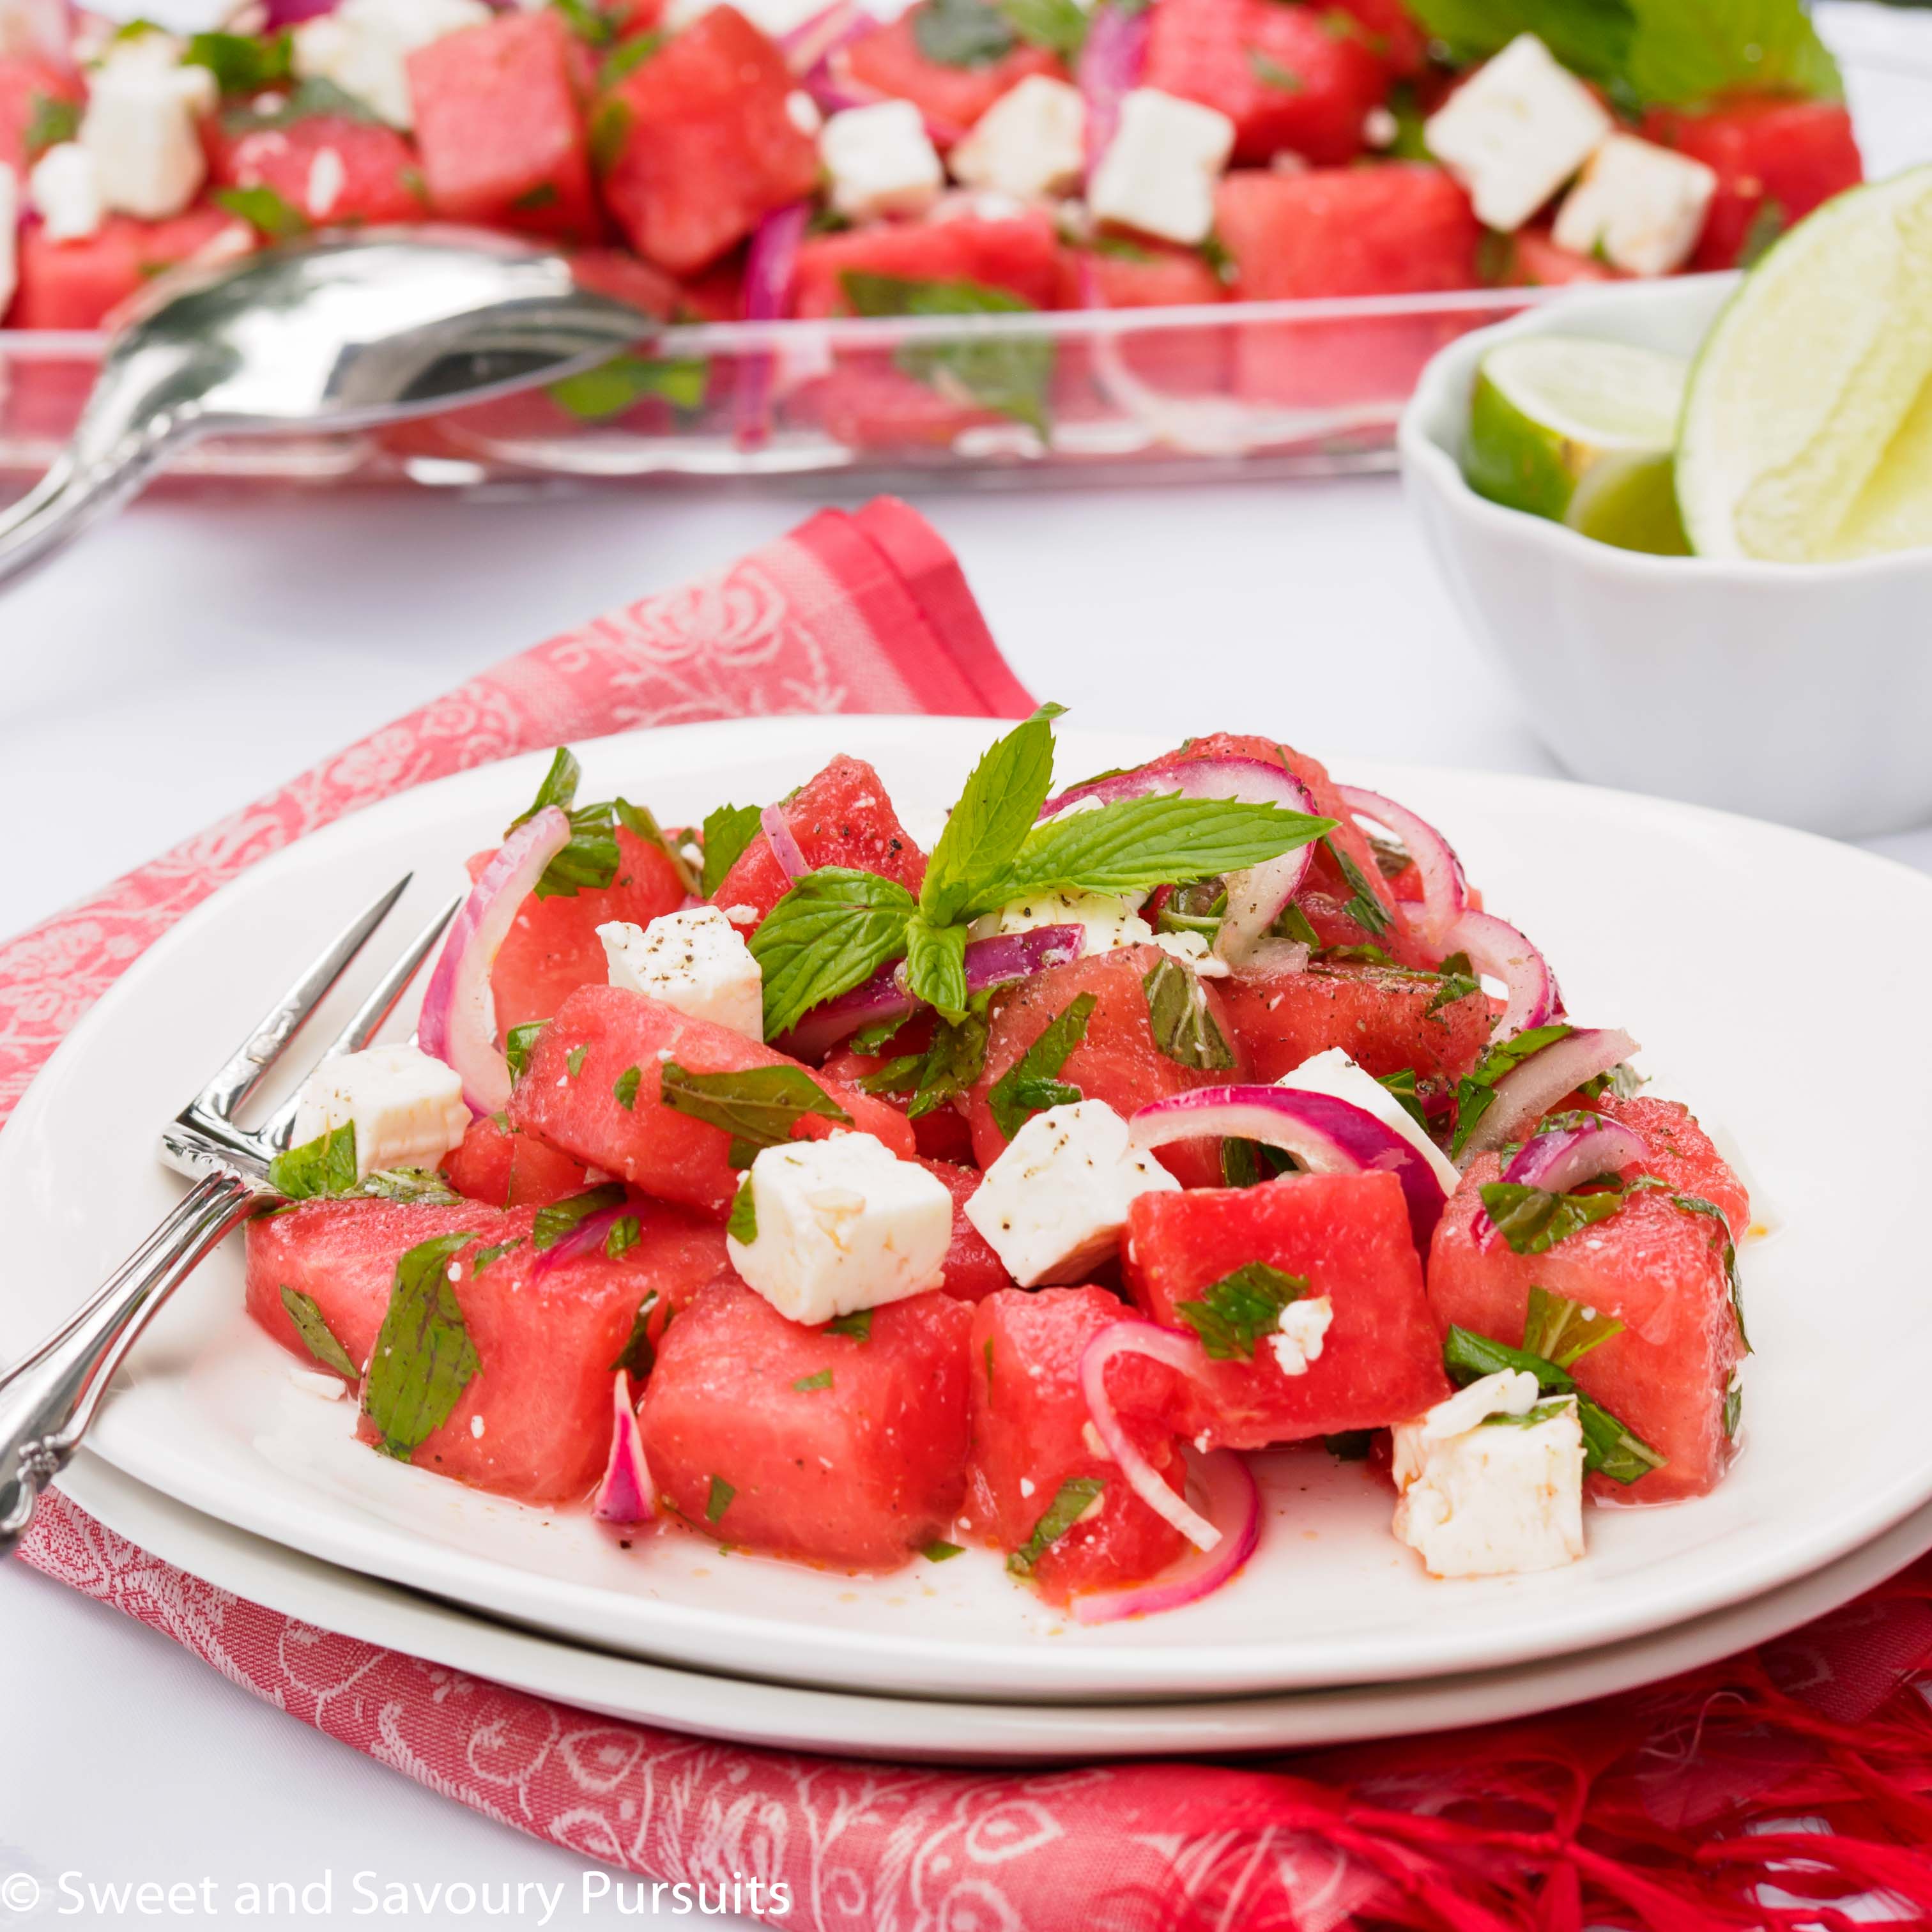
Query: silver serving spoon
(345, 332)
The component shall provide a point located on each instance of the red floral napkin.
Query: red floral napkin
(1789, 1785)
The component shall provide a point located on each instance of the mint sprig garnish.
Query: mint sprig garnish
(424, 1358)
(728, 831)
(832, 931)
(996, 813)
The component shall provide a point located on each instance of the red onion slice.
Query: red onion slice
(1497, 951)
(586, 1236)
(1257, 897)
(1233, 1506)
(458, 1022)
(1109, 70)
(812, 42)
(785, 847)
(624, 1496)
(771, 266)
(1179, 1352)
(1326, 1135)
(1527, 1092)
(292, 13)
(1445, 891)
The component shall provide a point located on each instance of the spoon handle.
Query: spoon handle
(69, 497)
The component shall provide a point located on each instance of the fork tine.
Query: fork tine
(367, 1021)
(263, 1047)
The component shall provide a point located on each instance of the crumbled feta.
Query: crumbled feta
(1481, 1497)
(881, 161)
(696, 961)
(1031, 142)
(407, 1109)
(365, 46)
(1106, 924)
(841, 1224)
(1299, 1333)
(65, 188)
(804, 113)
(9, 222)
(1380, 128)
(140, 127)
(1159, 171)
(1640, 207)
(1515, 130)
(1052, 1206)
(1334, 1072)
(327, 178)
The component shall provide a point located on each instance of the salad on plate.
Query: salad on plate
(838, 1196)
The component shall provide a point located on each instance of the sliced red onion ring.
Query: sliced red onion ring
(1233, 1506)
(1445, 891)
(1559, 1161)
(1109, 70)
(1179, 1352)
(1497, 951)
(812, 42)
(1527, 1092)
(989, 962)
(771, 264)
(1257, 897)
(1327, 1135)
(624, 1496)
(586, 1236)
(293, 12)
(785, 847)
(458, 1022)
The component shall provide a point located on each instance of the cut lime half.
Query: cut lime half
(1548, 409)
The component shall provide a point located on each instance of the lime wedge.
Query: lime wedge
(1548, 409)
(1631, 502)
(1807, 429)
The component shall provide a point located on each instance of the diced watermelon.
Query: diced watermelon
(508, 1169)
(1291, 78)
(1385, 1020)
(500, 127)
(553, 946)
(1020, 253)
(1682, 1154)
(545, 1344)
(842, 817)
(1347, 1235)
(1660, 1269)
(1535, 262)
(1117, 1060)
(888, 61)
(1032, 1432)
(1138, 274)
(28, 85)
(719, 294)
(77, 284)
(1776, 161)
(1389, 30)
(614, 271)
(848, 1450)
(972, 1270)
(697, 144)
(331, 169)
(610, 1033)
(940, 1135)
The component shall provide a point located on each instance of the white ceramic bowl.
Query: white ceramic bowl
(1798, 692)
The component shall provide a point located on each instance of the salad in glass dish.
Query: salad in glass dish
(782, 1182)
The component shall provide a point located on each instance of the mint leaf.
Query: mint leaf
(264, 210)
(322, 1166)
(961, 33)
(1530, 1418)
(1458, 981)
(609, 129)
(639, 1354)
(900, 1075)
(613, 387)
(997, 810)
(624, 1088)
(1075, 1497)
(423, 1359)
(1696, 1203)
(1687, 52)
(719, 1500)
(1235, 1312)
(1590, 38)
(812, 1384)
(758, 1106)
(857, 1327)
(519, 1042)
(641, 822)
(622, 1237)
(1183, 1027)
(588, 22)
(936, 966)
(558, 787)
(1401, 1085)
(484, 1257)
(953, 1063)
(301, 102)
(1272, 73)
(743, 1223)
(1032, 1084)
(941, 1552)
(51, 122)
(408, 1184)
(1734, 1406)
(241, 63)
(1058, 25)
(590, 858)
(1563, 1331)
(832, 931)
(728, 831)
(553, 1221)
(631, 56)
(573, 1060)
(1533, 1221)
(318, 1338)
(1363, 906)
(1476, 1091)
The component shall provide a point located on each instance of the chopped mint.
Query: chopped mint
(728, 831)
(50, 121)
(622, 1237)
(1363, 907)
(609, 129)
(1235, 1312)
(517, 1043)
(857, 1327)
(1058, 25)
(1476, 1091)
(408, 1184)
(588, 22)
(719, 1500)
(810, 1384)
(962, 33)
(1401, 1085)
(639, 1354)
(484, 1257)
(424, 1358)
(1563, 1331)
(1182, 1026)
(312, 1325)
(742, 1224)
(271, 215)
(1532, 1220)
(624, 1088)
(243, 63)
(1032, 1084)
(573, 1060)
(553, 1221)
(1272, 73)
(1293, 924)
(324, 1165)
(1075, 1496)
(758, 1106)
(303, 102)
(1530, 1418)
(941, 1552)
(631, 56)
(1734, 1405)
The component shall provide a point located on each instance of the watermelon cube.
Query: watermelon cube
(1032, 1435)
(698, 144)
(1117, 1059)
(847, 1449)
(941, 1135)
(79, 284)
(889, 61)
(1293, 79)
(500, 127)
(1141, 274)
(841, 816)
(1137, 272)
(1388, 30)
(1346, 1236)
(495, 1164)
(1535, 262)
(1776, 161)
(331, 169)
(593, 1089)
(544, 1343)
(1681, 1153)
(29, 86)
(972, 1270)
(1020, 253)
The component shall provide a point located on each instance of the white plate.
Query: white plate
(1694, 930)
(786, 1718)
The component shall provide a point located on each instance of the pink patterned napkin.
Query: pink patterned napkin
(1789, 1785)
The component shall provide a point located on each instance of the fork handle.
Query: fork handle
(48, 1400)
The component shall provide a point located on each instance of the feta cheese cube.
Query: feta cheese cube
(1491, 1481)
(839, 1225)
(407, 1109)
(364, 46)
(1300, 1332)
(65, 188)
(1159, 171)
(1106, 924)
(804, 113)
(881, 161)
(1515, 130)
(10, 223)
(1333, 1073)
(1053, 1205)
(1031, 142)
(140, 130)
(1640, 206)
(695, 961)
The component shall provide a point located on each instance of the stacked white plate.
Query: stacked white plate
(1705, 936)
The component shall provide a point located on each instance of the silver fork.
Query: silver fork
(49, 1400)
